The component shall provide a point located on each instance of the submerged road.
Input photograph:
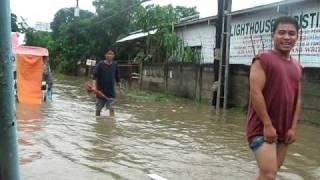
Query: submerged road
(63, 140)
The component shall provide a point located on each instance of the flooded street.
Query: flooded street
(63, 140)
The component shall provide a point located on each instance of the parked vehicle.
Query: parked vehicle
(32, 74)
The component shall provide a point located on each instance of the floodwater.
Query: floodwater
(63, 140)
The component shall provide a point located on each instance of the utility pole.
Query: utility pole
(9, 161)
(217, 51)
(76, 9)
(227, 37)
(221, 62)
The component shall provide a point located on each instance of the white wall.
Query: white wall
(199, 35)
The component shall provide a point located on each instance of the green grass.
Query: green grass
(160, 97)
(148, 95)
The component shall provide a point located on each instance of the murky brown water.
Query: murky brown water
(63, 140)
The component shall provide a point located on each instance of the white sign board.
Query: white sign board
(253, 34)
(90, 62)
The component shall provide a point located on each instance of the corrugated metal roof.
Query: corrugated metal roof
(206, 19)
(136, 36)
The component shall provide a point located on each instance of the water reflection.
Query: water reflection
(29, 124)
(28, 112)
(102, 144)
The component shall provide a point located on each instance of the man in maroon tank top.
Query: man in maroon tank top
(275, 99)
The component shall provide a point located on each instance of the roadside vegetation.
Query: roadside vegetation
(150, 96)
(75, 39)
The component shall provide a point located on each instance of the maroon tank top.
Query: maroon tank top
(280, 92)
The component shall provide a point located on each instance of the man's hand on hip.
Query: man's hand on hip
(269, 133)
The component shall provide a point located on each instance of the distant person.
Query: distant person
(275, 99)
(105, 76)
(47, 76)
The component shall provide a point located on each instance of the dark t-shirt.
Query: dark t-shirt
(280, 92)
(106, 75)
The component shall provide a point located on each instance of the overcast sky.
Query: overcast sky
(44, 10)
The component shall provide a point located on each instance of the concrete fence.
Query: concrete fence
(195, 81)
(187, 80)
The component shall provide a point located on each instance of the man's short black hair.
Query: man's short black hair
(111, 49)
(285, 20)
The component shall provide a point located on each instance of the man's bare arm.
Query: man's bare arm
(94, 84)
(257, 83)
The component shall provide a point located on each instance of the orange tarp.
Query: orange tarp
(29, 78)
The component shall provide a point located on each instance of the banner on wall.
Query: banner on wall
(248, 37)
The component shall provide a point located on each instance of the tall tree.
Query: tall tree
(66, 16)
(115, 18)
(76, 45)
(71, 39)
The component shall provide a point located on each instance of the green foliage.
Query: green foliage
(150, 96)
(18, 26)
(185, 12)
(38, 38)
(115, 19)
(74, 39)
(192, 55)
(163, 18)
(66, 16)
(158, 17)
(78, 38)
(14, 23)
(159, 97)
(188, 55)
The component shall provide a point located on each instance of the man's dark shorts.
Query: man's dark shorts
(101, 102)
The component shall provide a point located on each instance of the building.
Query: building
(199, 35)
(251, 32)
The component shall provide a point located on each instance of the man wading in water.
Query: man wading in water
(105, 75)
(275, 99)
